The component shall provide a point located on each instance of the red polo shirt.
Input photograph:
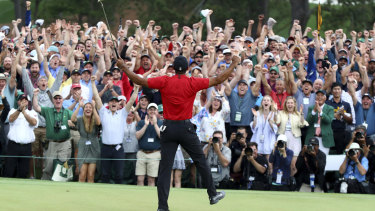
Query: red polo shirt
(279, 99)
(178, 94)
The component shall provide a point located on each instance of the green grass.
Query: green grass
(17, 194)
(6, 12)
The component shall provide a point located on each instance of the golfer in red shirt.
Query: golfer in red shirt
(178, 93)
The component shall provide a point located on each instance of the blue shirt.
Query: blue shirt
(243, 105)
(305, 101)
(52, 71)
(69, 102)
(352, 170)
(259, 98)
(360, 117)
(279, 162)
(89, 86)
(339, 124)
(150, 139)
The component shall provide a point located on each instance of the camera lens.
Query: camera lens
(215, 140)
(351, 152)
(358, 135)
(248, 151)
(310, 147)
(239, 135)
(280, 144)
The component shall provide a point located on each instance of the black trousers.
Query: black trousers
(183, 133)
(340, 139)
(110, 152)
(17, 167)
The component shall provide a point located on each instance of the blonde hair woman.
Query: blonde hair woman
(88, 145)
(290, 122)
(264, 127)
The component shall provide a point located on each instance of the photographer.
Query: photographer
(310, 166)
(371, 169)
(281, 158)
(236, 143)
(354, 169)
(254, 168)
(359, 137)
(218, 157)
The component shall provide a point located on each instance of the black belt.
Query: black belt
(21, 144)
(177, 121)
(112, 145)
(59, 141)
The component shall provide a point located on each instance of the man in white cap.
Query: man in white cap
(148, 156)
(281, 158)
(354, 169)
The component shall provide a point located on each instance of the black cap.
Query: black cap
(107, 72)
(314, 141)
(372, 60)
(243, 81)
(145, 55)
(343, 57)
(88, 62)
(321, 91)
(199, 52)
(114, 98)
(85, 70)
(66, 72)
(75, 71)
(180, 64)
(116, 68)
(367, 95)
(307, 81)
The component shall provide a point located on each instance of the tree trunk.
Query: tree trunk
(300, 11)
(20, 9)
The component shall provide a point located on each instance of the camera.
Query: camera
(215, 140)
(280, 144)
(359, 135)
(325, 64)
(351, 152)
(57, 126)
(310, 148)
(248, 151)
(239, 136)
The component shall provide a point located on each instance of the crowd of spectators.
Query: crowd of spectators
(291, 103)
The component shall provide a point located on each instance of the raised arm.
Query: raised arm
(36, 106)
(224, 75)
(132, 99)
(132, 76)
(95, 93)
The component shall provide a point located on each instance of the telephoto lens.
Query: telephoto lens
(351, 152)
(280, 144)
(215, 140)
(248, 151)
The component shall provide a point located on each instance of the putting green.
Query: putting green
(19, 194)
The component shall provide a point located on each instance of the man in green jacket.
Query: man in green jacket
(320, 117)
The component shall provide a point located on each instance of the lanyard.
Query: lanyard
(280, 101)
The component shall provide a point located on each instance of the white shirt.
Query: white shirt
(20, 130)
(113, 125)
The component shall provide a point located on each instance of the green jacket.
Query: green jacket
(325, 125)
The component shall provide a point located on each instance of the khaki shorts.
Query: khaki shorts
(147, 164)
